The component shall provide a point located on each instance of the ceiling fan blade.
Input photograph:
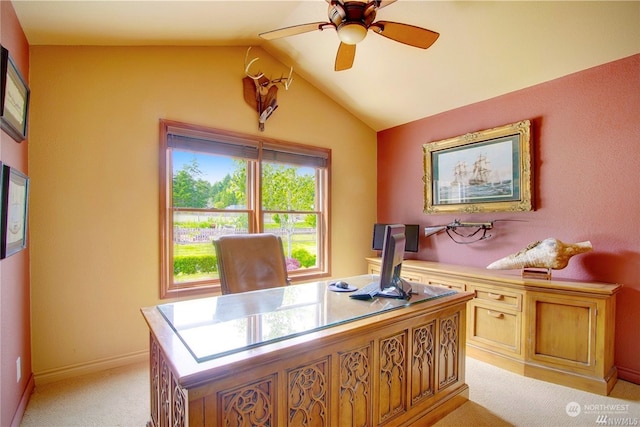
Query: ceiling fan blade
(294, 30)
(346, 55)
(405, 33)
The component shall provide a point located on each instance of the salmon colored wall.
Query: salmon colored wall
(94, 163)
(15, 339)
(587, 181)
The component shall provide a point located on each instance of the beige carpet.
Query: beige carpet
(120, 397)
(115, 397)
(500, 398)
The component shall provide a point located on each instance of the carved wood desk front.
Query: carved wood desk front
(305, 356)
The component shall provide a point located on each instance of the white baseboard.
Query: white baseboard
(71, 371)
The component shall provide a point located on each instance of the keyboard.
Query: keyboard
(366, 292)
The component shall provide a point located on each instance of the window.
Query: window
(215, 182)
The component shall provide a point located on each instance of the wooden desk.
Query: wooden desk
(306, 356)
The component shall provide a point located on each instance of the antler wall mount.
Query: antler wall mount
(260, 92)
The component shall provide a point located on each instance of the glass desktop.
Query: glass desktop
(217, 326)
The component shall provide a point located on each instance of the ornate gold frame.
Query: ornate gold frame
(473, 190)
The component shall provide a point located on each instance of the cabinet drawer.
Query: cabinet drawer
(447, 284)
(499, 297)
(495, 329)
(411, 277)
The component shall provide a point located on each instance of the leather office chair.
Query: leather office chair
(247, 262)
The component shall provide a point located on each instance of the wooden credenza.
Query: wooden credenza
(559, 331)
(398, 363)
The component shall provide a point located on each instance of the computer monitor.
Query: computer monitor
(411, 232)
(391, 284)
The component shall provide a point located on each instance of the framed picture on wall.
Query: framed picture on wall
(486, 171)
(14, 98)
(1, 201)
(15, 206)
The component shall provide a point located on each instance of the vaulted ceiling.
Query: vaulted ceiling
(485, 49)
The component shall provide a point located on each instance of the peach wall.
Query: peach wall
(587, 180)
(94, 162)
(15, 339)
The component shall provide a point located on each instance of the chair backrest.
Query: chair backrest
(247, 262)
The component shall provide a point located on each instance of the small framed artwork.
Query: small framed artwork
(15, 207)
(486, 171)
(14, 99)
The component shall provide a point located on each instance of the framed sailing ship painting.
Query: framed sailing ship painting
(485, 171)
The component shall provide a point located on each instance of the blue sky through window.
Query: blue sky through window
(214, 168)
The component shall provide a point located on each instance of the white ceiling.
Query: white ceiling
(485, 48)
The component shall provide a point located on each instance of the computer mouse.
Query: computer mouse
(342, 285)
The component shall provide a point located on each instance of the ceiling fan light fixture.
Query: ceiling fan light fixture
(352, 32)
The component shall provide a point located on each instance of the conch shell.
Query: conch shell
(548, 253)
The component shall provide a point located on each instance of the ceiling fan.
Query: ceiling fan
(352, 19)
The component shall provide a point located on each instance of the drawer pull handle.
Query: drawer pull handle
(495, 314)
(495, 296)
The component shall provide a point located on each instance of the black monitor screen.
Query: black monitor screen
(411, 232)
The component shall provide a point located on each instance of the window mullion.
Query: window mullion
(256, 197)
(258, 182)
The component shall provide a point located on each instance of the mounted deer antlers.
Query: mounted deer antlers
(260, 92)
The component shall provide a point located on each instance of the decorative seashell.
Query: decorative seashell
(548, 253)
